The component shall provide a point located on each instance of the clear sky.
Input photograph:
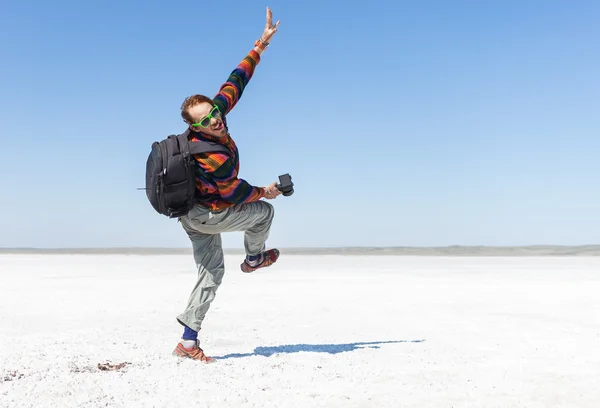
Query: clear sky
(402, 123)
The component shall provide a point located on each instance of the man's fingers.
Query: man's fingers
(269, 23)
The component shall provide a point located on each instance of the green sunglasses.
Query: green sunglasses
(214, 113)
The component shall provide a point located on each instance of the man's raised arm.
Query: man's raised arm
(231, 91)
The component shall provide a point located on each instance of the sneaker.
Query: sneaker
(194, 353)
(268, 258)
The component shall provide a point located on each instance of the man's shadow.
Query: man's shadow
(314, 348)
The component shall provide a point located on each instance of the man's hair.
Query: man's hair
(191, 101)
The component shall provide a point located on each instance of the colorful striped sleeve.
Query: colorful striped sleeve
(231, 91)
(231, 188)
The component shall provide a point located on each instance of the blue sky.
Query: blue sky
(402, 123)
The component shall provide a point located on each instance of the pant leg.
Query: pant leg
(254, 219)
(208, 255)
(204, 228)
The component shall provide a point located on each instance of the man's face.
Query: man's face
(207, 119)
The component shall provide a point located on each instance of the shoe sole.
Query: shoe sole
(208, 360)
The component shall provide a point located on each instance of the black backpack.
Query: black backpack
(171, 173)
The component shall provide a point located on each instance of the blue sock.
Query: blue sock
(254, 260)
(189, 334)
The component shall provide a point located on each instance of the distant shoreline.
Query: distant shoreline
(455, 250)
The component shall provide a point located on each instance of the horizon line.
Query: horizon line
(308, 247)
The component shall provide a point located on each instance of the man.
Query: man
(228, 203)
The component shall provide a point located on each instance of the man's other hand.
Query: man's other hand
(271, 191)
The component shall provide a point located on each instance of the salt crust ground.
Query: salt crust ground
(312, 331)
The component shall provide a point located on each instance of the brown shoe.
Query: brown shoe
(194, 353)
(269, 258)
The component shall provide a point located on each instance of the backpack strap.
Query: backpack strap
(187, 147)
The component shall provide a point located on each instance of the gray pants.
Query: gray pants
(204, 228)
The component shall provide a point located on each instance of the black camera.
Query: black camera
(285, 185)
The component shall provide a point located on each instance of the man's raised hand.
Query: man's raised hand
(270, 28)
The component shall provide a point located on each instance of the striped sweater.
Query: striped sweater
(217, 181)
